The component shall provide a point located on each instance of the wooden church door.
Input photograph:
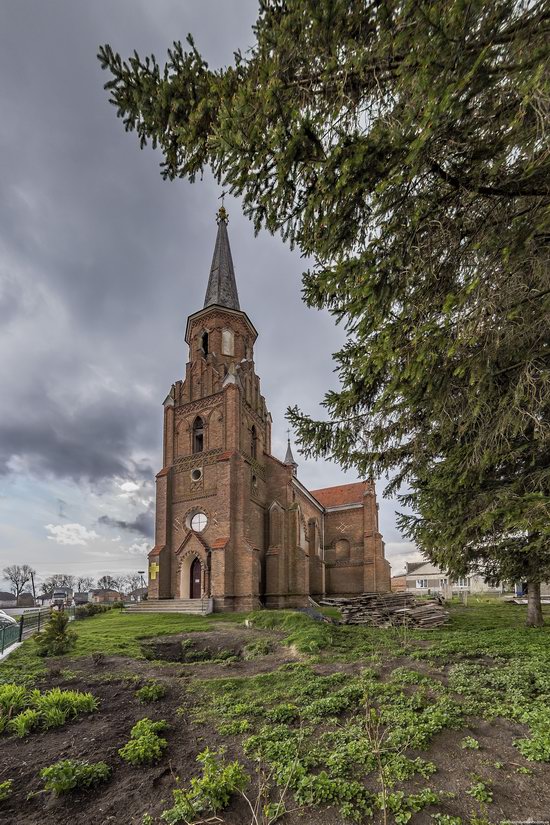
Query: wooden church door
(195, 582)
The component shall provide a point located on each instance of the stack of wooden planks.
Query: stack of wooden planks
(389, 610)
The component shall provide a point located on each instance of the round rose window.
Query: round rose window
(198, 522)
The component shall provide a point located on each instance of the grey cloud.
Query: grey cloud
(143, 523)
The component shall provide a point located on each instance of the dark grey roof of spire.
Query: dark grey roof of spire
(222, 287)
(289, 458)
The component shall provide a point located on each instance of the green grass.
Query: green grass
(112, 633)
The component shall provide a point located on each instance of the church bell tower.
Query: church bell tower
(211, 490)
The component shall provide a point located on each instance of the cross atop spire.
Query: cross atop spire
(222, 287)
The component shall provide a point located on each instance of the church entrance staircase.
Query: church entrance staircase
(200, 607)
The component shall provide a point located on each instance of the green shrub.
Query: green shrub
(22, 710)
(209, 793)
(480, 790)
(404, 806)
(6, 789)
(261, 647)
(68, 774)
(24, 722)
(57, 638)
(286, 712)
(234, 727)
(151, 692)
(144, 745)
(91, 609)
(13, 699)
(469, 743)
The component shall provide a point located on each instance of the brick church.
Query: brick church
(234, 524)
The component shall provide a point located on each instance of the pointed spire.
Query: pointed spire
(289, 458)
(222, 287)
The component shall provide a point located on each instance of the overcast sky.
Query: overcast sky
(101, 262)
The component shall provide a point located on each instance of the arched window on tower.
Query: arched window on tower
(253, 442)
(198, 435)
(204, 343)
(228, 342)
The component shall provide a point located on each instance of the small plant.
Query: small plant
(57, 638)
(24, 722)
(469, 743)
(151, 692)
(145, 746)
(525, 771)
(13, 699)
(23, 710)
(209, 793)
(254, 650)
(234, 727)
(446, 819)
(68, 774)
(480, 790)
(6, 789)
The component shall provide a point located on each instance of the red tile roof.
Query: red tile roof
(343, 494)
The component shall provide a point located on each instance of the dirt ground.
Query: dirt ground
(133, 791)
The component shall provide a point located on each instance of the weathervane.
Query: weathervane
(222, 211)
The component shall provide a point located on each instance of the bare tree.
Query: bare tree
(131, 581)
(108, 582)
(84, 583)
(18, 575)
(57, 580)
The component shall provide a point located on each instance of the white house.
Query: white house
(423, 577)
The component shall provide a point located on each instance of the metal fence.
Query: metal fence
(29, 623)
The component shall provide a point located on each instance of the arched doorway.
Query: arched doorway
(195, 579)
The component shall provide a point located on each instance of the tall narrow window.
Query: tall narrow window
(253, 442)
(204, 343)
(198, 435)
(228, 342)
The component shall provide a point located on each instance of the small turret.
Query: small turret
(289, 459)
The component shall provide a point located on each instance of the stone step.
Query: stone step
(199, 607)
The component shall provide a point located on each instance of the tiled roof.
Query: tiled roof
(414, 565)
(342, 495)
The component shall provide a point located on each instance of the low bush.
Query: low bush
(151, 692)
(253, 650)
(24, 722)
(6, 789)
(22, 710)
(145, 746)
(57, 638)
(91, 609)
(12, 699)
(209, 793)
(68, 774)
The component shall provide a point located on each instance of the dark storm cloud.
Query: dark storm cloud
(90, 245)
(143, 523)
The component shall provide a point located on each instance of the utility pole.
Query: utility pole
(33, 590)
